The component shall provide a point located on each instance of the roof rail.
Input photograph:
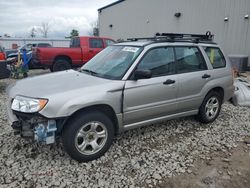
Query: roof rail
(178, 37)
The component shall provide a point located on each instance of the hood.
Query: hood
(59, 82)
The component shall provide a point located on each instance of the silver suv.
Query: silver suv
(127, 85)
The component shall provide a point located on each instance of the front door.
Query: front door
(155, 97)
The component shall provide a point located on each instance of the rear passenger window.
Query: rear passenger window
(189, 59)
(95, 43)
(216, 57)
(160, 61)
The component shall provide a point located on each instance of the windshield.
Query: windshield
(112, 62)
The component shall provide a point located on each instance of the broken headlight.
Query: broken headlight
(27, 104)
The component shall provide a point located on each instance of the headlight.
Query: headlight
(28, 105)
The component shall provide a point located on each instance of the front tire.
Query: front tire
(88, 136)
(210, 107)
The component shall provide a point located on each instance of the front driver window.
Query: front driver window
(160, 61)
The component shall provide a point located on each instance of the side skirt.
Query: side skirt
(159, 119)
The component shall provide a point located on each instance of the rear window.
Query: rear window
(216, 57)
(75, 42)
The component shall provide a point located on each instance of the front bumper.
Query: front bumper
(39, 129)
(32, 126)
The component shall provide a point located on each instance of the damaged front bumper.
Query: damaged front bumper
(33, 126)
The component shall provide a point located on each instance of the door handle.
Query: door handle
(168, 82)
(206, 76)
(91, 50)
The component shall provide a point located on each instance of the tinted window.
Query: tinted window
(109, 42)
(43, 45)
(75, 42)
(95, 43)
(189, 59)
(160, 61)
(216, 57)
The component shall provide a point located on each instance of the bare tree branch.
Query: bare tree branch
(33, 32)
(94, 29)
(44, 29)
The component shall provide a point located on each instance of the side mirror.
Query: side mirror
(142, 74)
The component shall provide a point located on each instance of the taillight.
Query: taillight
(234, 72)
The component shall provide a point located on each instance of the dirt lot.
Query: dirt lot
(217, 170)
(176, 153)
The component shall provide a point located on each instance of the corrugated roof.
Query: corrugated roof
(109, 5)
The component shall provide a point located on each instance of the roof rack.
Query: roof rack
(178, 37)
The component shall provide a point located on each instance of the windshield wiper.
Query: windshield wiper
(89, 71)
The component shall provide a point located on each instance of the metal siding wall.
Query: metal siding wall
(141, 18)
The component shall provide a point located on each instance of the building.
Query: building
(8, 43)
(228, 20)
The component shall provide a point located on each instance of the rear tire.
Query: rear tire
(88, 136)
(61, 65)
(210, 107)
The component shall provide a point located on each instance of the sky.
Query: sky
(18, 17)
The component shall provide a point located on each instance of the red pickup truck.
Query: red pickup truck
(81, 50)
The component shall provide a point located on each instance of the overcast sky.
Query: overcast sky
(17, 17)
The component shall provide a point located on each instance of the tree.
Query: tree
(94, 30)
(33, 32)
(74, 33)
(44, 29)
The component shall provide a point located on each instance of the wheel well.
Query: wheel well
(105, 109)
(67, 58)
(219, 90)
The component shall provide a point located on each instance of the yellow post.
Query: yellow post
(18, 59)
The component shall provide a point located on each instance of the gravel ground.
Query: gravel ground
(142, 157)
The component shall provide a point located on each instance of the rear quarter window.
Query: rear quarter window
(109, 42)
(216, 57)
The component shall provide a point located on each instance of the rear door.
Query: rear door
(76, 52)
(147, 99)
(193, 74)
(95, 46)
